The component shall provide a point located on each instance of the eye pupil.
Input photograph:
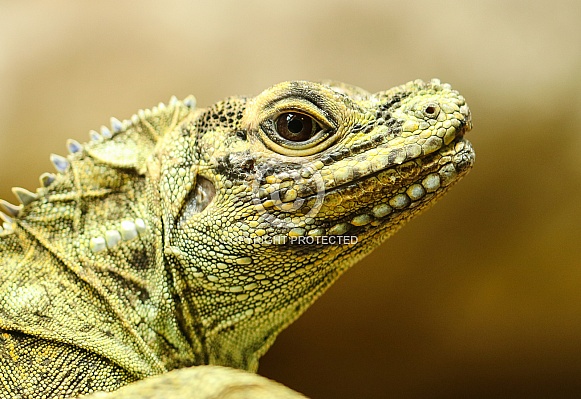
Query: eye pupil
(296, 127)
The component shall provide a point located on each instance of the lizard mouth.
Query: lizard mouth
(460, 149)
(384, 199)
(396, 192)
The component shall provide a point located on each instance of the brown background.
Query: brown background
(479, 297)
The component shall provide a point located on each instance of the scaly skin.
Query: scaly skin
(189, 237)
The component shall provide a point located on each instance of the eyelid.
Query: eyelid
(264, 110)
(302, 107)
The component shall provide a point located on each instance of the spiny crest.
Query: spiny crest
(6, 227)
(141, 121)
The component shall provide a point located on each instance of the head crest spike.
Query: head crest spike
(9, 208)
(190, 101)
(173, 100)
(46, 179)
(105, 132)
(74, 146)
(95, 136)
(24, 196)
(116, 125)
(6, 218)
(61, 164)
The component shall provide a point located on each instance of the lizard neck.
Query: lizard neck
(234, 323)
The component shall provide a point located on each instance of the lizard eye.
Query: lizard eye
(296, 127)
(297, 132)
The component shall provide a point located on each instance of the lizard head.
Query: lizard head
(199, 234)
(292, 187)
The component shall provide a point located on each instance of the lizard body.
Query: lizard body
(186, 237)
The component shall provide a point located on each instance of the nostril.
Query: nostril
(431, 110)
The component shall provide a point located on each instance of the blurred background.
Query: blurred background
(481, 296)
